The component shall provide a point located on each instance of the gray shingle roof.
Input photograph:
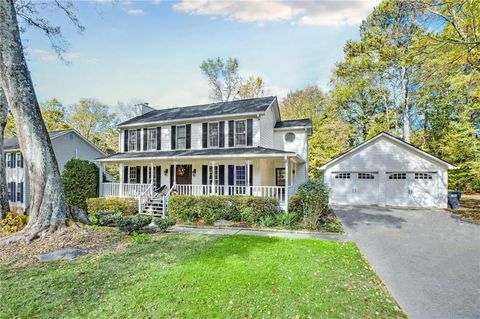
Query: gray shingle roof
(294, 123)
(12, 143)
(246, 151)
(196, 111)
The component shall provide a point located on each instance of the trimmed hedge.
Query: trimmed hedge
(130, 224)
(208, 209)
(80, 182)
(125, 206)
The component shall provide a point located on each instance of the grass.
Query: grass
(469, 207)
(193, 276)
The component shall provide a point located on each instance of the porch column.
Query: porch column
(120, 190)
(151, 173)
(174, 173)
(212, 190)
(247, 179)
(101, 167)
(286, 182)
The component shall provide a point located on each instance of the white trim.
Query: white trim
(294, 128)
(299, 159)
(403, 143)
(194, 119)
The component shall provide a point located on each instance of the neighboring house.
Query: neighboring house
(386, 171)
(66, 144)
(231, 148)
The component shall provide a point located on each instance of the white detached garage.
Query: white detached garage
(386, 171)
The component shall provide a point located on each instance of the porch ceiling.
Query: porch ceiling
(248, 152)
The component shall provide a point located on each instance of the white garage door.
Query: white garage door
(351, 188)
(411, 189)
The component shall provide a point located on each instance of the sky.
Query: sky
(151, 50)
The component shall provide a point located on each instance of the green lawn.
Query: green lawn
(186, 276)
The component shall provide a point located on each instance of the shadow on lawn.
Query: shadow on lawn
(77, 287)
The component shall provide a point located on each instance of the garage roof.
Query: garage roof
(390, 137)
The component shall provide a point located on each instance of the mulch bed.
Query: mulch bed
(89, 238)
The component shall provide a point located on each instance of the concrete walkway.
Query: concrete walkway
(428, 259)
(254, 232)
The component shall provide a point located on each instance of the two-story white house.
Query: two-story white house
(67, 144)
(230, 148)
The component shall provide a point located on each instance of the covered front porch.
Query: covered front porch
(149, 178)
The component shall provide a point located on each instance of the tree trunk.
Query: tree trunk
(47, 200)
(4, 204)
(406, 108)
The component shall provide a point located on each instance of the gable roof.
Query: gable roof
(255, 105)
(294, 123)
(12, 143)
(392, 138)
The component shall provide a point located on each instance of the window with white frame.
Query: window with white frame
(152, 139)
(211, 172)
(241, 133)
(423, 176)
(19, 160)
(213, 134)
(181, 137)
(149, 176)
(240, 175)
(132, 175)
(132, 140)
(342, 175)
(396, 176)
(366, 176)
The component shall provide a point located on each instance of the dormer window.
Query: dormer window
(241, 133)
(213, 134)
(181, 137)
(132, 140)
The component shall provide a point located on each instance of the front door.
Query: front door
(183, 174)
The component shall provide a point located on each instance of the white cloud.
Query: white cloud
(134, 11)
(42, 55)
(309, 12)
(156, 1)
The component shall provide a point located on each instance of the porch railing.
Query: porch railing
(124, 190)
(277, 192)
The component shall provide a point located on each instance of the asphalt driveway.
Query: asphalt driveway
(428, 259)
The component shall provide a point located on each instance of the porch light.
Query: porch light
(293, 172)
(165, 172)
(194, 172)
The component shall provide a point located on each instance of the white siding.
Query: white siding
(299, 145)
(267, 123)
(69, 146)
(387, 155)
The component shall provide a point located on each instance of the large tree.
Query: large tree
(225, 81)
(4, 204)
(47, 201)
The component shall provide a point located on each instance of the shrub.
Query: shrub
(108, 219)
(310, 203)
(130, 224)
(267, 221)
(13, 222)
(125, 206)
(164, 223)
(286, 220)
(80, 182)
(211, 208)
(333, 225)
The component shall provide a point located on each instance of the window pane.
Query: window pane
(240, 132)
(213, 134)
(181, 140)
(133, 175)
(210, 175)
(240, 175)
(132, 140)
(152, 139)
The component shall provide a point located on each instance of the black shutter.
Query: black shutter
(221, 138)
(145, 137)
(188, 133)
(21, 160)
(21, 192)
(125, 140)
(204, 135)
(221, 174)
(251, 178)
(159, 176)
(204, 175)
(125, 174)
(173, 137)
(231, 178)
(14, 160)
(138, 174)
(139, 140)
(231, 140)
(159, 138)
(172, 168)
(14, 192)
(145, 174)
(249, 132)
